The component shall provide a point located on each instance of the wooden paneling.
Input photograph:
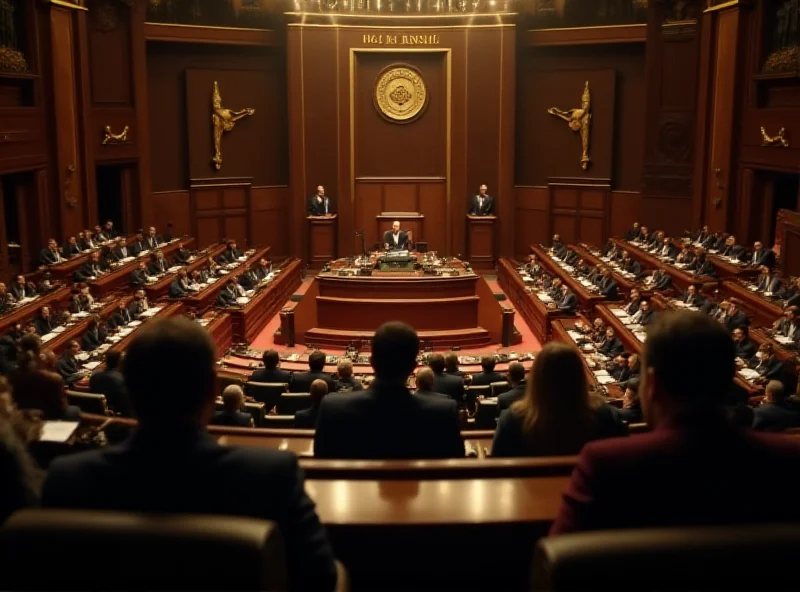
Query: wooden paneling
(22, 139)
(579, 209)
(116, 119)
(269, 211)
(110, 54)
(221, 210)
(531, 218)
(625, 207)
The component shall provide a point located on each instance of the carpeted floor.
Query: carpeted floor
(529, 342)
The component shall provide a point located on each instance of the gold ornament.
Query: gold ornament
(400, 94)
(223, 120)
(579, 120)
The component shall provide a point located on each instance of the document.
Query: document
(58, 431)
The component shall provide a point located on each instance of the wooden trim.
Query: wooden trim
(65, 4)
(585, 35)
(210, 35)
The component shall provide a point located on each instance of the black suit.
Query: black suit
(608, 288)
(695, 300)
(633, 234)
(506, 399)
(402, 240)
(68, 368)
(348, 384)
(476, 208)
(634, 267)
(272, 375)
(185, 471)
(769, 283)
(704, 268)
(111, 384)
(736, 251)
(738, 320)
(249, 280)
(120, 318)
(139, 277)
(137, 247)
(237, 419)
(121, 253)
(306, 419)
(762, 257)
(85, 245)
(89, 269)
(320, 207)
(21, 292)
(71, 250)
(569, 303)
(487, 378)
(226, 297)
(632, 307)
(745, 349)
(92, 339)
(157, 267)
(230, 255)
(771, 368)
(662, 283)
(450, 385)
(44, 325)
(136, 308)
(301, 381)
(387, 422)
(611, 347)
(48, 257)
(151, 242)
(177, 289)
(671, 252)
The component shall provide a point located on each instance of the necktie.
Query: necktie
(326, 205)
(480, 204)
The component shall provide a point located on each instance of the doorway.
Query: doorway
(785, 195)
(110, 198)
(21, 233)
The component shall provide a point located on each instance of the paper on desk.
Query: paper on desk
(574, 335)
(92, 365)
(211, 280)
(748, 373)
(242, 300)
(115, 339)
(127, 330)
(48, 337)
(782, 339)
(599, 373)
(58, 431)
(127, 259)
(619, 312)
(527, 278)
(605, 379)
(640, 335)
(753, 288)
(82, 356)
(544, 297)
(174, 268)
(58, 330)
(132, 324)
(80, 315)
(586, 283)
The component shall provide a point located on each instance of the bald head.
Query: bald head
(233, 397)
(319, 388)
(425, 379)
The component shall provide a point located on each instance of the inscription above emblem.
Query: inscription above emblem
(400, 94)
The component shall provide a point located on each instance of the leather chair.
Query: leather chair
(266, 392)
(471, 394)
(88, 402)
(89, 550)
(291, 403)
(498, 388)
(741, 557)
(486, 414)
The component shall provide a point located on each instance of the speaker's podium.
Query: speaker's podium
(480, 241)
(321, 239)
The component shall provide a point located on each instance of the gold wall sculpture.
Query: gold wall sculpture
(579, 120)
(223, 120)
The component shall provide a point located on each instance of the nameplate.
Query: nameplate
(400, 39)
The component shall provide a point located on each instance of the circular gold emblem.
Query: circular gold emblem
(400, 94)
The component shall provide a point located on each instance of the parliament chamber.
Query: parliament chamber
(399, 294)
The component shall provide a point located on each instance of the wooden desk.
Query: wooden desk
(763, 311)
(25, 313)
(321, 239)
(587, 298)
(727, 270)
(625, 285)
(77, 329)
(413, 222)
(221, 330)
(682, 279)
(533, 310)
(207, 297)
(160, 287)
(119, 277)
(481, 241)
(249, 320)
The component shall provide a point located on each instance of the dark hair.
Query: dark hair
(395, 346)
(488, 363)
(516, 372)
(451, 362)
(180, 353)
(112, 359)
(316, 361)
(271, 359)
(436, 362)
(683, 343)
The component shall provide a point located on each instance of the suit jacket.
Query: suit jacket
(611, 347)
(237, 419)
(700, 237)
(608, 288)
(85, 245)
(111, 384)
(663, 283)
(151, 242)
(426, 393)
(634, 267)
(739, 319)
(306, 419)
(746, 349)
(68, 368)
(487, 378)
(185, 471)
(120, 318)
(249, 280)
(301, 381)
(672, 252)
(793, 300)
(139, 277)
(47, 257)
(387, 422)
(120, 254)
(316, 208)
(230, 255)
(770, 417)
(632, 234)
(44, 325)
(450, 385)
(696, 300)
(559, 250)
(22, 292)
(225, 297)
(784, 327)
(89, 270)
(402, 240)
(485, 210)
(771, 368)
(736, 251)
(347, 384)
(704, 268)
(514, 394)
(91, 340)
(71, 250)
(272, 375)
(136, 308)
(769, 283)
(157, 267)
(687, 473)
(176, 289)
(762, 257)
(569, 303)
(137, 247)
(647, 317)
(632, 307)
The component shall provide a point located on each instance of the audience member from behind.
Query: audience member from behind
(109, 382)
(232, 414)
(694, 467)
(556, 416)
(516, 378)
(344, 377)
(171, 464)
(306, 419)
(386, 421)
(451, 364)
(301, 381)
(424, 382)
(776, 413)
(271, 372)
(488, 376)
(447, 384)
(631, 411)
(34, 386)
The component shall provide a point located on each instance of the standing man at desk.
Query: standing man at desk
(320, 204)
(482, 203)
(395, 239)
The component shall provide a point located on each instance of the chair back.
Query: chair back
(140, 552)
(486, 414)
(266, 392)
(88, 402)
(498, 388)
(741, 557)
(277, 422)
(291, 403)
(471, 394)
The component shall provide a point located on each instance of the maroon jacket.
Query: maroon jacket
(695, 472)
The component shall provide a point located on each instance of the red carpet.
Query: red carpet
(529, 342)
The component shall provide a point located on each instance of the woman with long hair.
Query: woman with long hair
(556, 416)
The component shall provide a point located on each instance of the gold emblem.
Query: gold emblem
(579, 120)
(400, 94)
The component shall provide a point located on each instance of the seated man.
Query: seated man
(630, 371)
(72, 247)
(249, 279)
(631, 266)
(232, 405)
(611, 345)
(516, 378)
(45, 322)
(688, 469)
(775, 413)
(151, 241)
(301, 381)
(171, 464)
(631, 411)
(701, 235)
(121, 316)
(633, 233)
(656, 242)
(121, 251)
(395, 239)
(139, 275)
(50, 255)
(109, 382)
(761, 256)
(733, 317)
(788, 325)
(95, 334)
(702, 266)
(745, 348)
(645, 315)
(228, 294)
(90, 270)
(139, 304)
(109, 230)
(447, 384)
(451, 364)
(99, 236)
(558, 249)
(644, 237)
(306, 419)
(692, 298)
(608, 286)
(137, 245)
(685, 257)
(632, 307)
(766, 282)
(344, 377)
(264, 268)
(386, 421)
(182, 254)
(488, 376)
(271, 372)
(158, 264)
(766, 363)
(424, 382)
(86, 241)
(660, 280)
(731, 249)
(231, 254)
(667, 249)
(568, 302)
(179, 288)
(67, 365)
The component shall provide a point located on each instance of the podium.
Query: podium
(480, 241)
(321, 239)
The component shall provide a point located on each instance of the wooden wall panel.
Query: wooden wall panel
(174, 207)
(624, 211)
(433, 204)
(269, 207)
(400, 197)
(531, 218)
(227, 204)
(110, 55)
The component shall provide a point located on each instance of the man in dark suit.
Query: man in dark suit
(72, 248)
(122, 251)
(451, 365)
(158, 264)
(109, 382)
(635, 299)
(733, 317)
(139, 304)
(481, 204)
(488, 376)
(137, 245)
(92, 269)
(67, 365)
(645, 315)
(386, 421)
(611, 345)
(745, 348)
(557, 248)
(179, 288)
(667, 249)
(44, 321)
(263, 269)
(109, 230)
(633, 233)
(227, 295)
(151, 241)
(608, 286)
(86, 241)
(776, 413)
(51, 255)
(688, 469)
(320, 204)
(788, 325)
(631, 266)
(306, 419)
(139, 275)
(344, 381)
(516, 378)
(702, 266)
(232, 405)
(395, 239)
(301, 381)
(645, 237)
(701, 236)
(766, 363)
(661, 280)
(171, 464)
(424, 382)
(767, 282)
(568, 302)
(731, 249)
(249, 279)
(94, 336)
(271, 371)
(447, 384)
(21, 289)
(761, 256)
(692, 298)
(231, 254)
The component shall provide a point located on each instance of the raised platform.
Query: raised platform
(477, 337)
